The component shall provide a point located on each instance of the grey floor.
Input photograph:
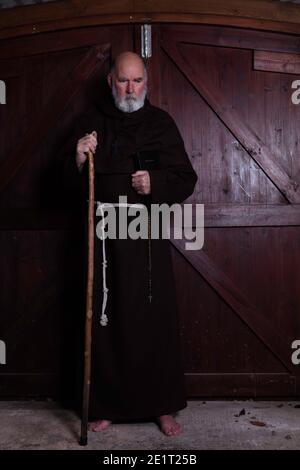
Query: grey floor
(206, 425)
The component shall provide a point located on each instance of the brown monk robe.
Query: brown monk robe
(137, 368)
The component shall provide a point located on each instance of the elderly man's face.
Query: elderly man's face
(129, 85)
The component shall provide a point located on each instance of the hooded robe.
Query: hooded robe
(137, 368)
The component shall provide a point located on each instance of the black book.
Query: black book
(146, 160)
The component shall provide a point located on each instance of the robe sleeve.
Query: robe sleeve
(175, 180)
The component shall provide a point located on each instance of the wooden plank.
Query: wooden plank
(248, 215)
(92, 61)
(246, 136)
(42, 306)
(262, 9)
(153, 18)
(198, 385)
(240, 385)
(30, 219)
(55, 41)
(277, 62)
(25, 385)
(238, 38)
(251, 215)
(230, 293)
(259, 14)
(10, 68)
(215, 216)
(34, 14)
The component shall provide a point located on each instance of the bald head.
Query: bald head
(128, 82)
(128, 60)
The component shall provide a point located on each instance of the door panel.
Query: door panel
(238, 300)
(50, 82)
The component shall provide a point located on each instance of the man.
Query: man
(137, 369)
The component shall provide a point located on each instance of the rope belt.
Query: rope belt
(101, 206)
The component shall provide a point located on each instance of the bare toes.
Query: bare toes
(100, 425)
(169, 426)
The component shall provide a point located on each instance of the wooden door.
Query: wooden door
(50, 80)
(239, 296)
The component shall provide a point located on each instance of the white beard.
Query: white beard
(129, 103)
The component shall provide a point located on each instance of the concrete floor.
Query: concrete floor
(207, 425)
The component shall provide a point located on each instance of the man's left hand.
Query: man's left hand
(141, 182)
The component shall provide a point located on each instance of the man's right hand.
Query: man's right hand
(84, 145)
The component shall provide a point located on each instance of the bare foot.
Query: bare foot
(169, 426)
(100, 425)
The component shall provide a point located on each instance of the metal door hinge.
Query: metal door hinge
(146, 41)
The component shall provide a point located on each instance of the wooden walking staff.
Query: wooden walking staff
(89, 304)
